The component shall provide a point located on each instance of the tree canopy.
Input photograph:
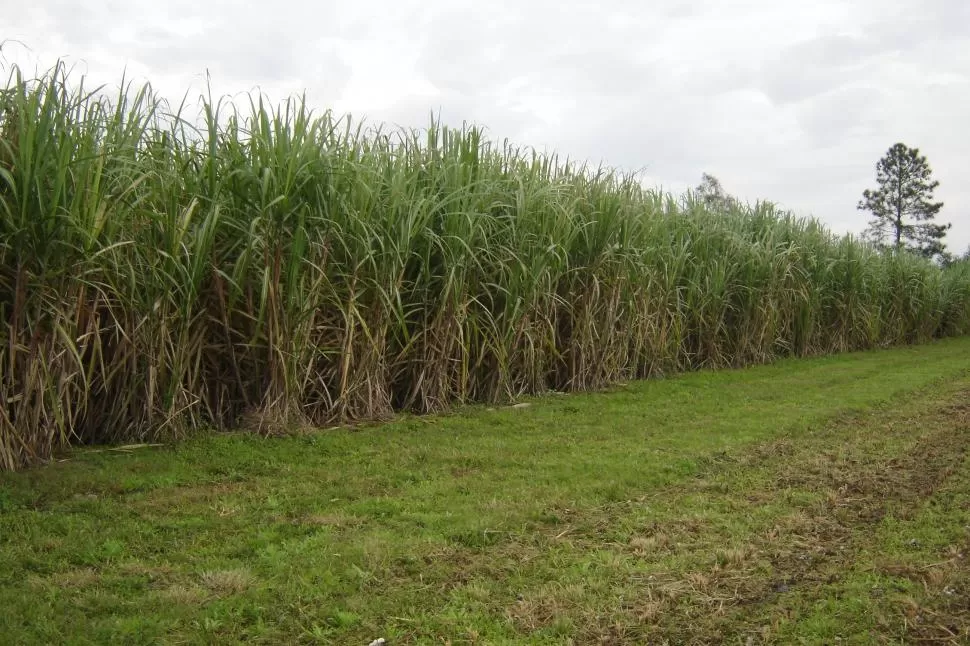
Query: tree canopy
(902, 206)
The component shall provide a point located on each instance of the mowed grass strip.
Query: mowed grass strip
(805, 500)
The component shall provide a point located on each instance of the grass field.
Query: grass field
(803, 501)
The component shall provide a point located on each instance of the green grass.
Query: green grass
(795, 502)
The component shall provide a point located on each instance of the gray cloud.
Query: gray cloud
(817, 66)
(845, 113)
(789, 102)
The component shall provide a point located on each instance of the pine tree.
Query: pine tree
(903, 206)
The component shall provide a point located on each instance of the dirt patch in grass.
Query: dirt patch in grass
(688, 580)
(225, 582)
(192, 495)
(943, 615)
(69, 579)
(815, 546)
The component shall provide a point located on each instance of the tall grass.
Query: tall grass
(274, 268)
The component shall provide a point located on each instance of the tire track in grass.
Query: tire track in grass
(917, 574)
(809, 552)
(669, 567)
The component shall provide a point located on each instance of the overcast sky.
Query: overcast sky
(789, 101)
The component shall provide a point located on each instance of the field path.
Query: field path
(852, 487)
